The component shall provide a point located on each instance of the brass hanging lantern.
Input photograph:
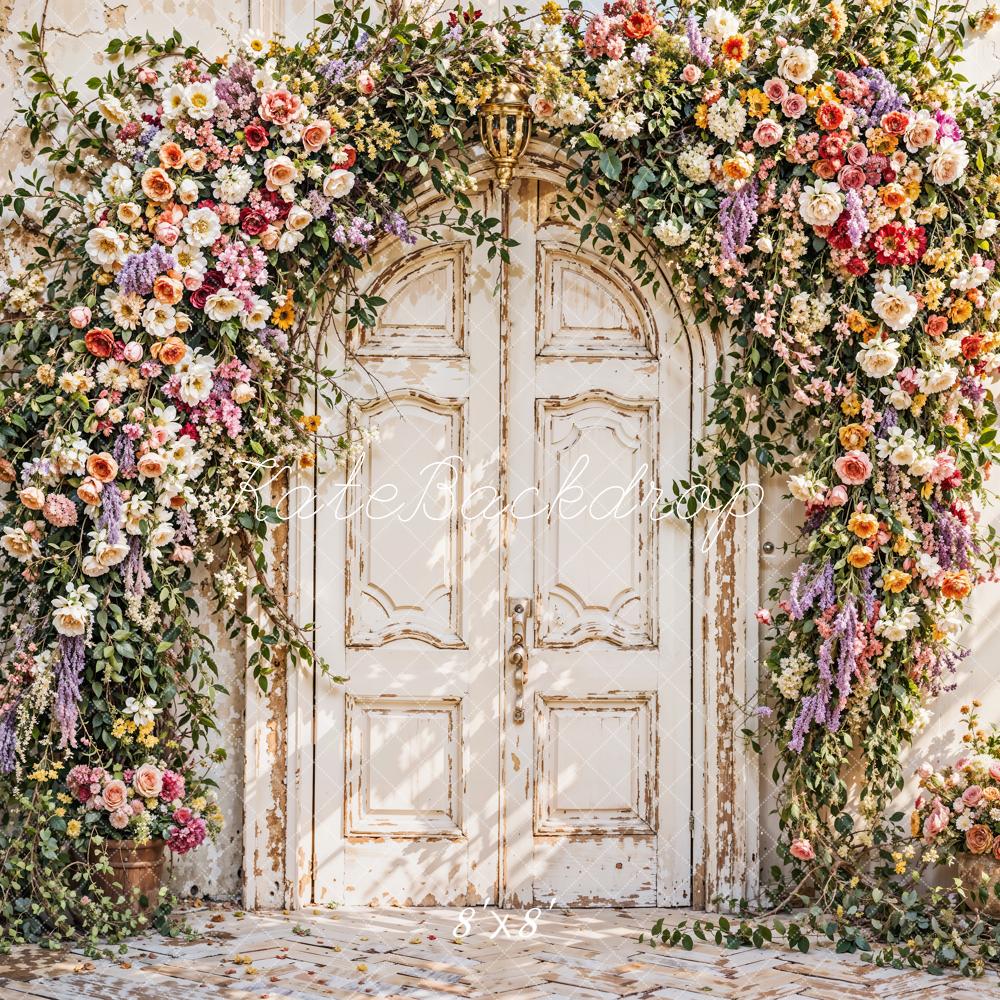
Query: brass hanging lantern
(505, 128)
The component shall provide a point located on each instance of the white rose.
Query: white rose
(298, 218)
(92, 566)
(895, 305)
(987, 229)
(289, 241)
(797, 64)
(804, 488)
(162, 534)
(187, 191)
(242, 392)
(900, 399)
(923, 465)
(820, 204)
(222, 305)
(109, 554)
(105, 246)
(672, 233)
(18, 543)
(721, 23)
(338, 183)
(202, 227)
(938, 379)
(70, 619)
(117, 182)
(948, 161)
(879, 358)
(903, 454)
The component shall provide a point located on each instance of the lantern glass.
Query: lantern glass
(505, 129)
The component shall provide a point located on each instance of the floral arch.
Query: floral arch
(823, 183)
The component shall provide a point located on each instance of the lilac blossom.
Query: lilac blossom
(700, 49)
(111, 513)
(133, 572)
(8, 739)
(857, 218)
(737, 217)
(395, 224)
(124, 454)
(885, 97)
(141, 269)
(819, 588)
(69, 671)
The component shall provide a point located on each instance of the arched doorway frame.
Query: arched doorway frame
(726, 777)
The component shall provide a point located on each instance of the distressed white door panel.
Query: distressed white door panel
(564, 392)
(598, 379)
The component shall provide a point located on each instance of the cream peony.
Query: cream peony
(721, 23)
(820, 204)
(222, 305)
(202, 227)
(948, 161)
(338, 183)
(797, 64)
(895, 305)
(879, 358)
(105, 247)
(16, 542)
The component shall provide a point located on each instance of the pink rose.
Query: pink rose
(279, 106)
(183, 815)
(937, 820)
(148, 781)
(280, 171)
(857, 154)
(79, 317)
(120, 817)
(794, 105)
(138, 806)
(924, 771)
(837, 497)
(167, 233)
(691, 73)
(802, 849)
(366, 85)
(768, 133)
(269, 238)
(853, 468)
(146, 75)
(763, 616)
(182, 554)
(115, 795)
(972, 796)
(851, 178)
(776, 90)
(132, 352)
(315, 136)
(995, 770)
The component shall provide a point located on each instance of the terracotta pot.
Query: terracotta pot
(133, 867)
(971, 869)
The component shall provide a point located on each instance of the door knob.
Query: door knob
(517, 653)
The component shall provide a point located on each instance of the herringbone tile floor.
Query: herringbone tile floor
(584, 954)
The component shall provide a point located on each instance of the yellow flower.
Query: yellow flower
(758, 103)
(863, 524)
(60, 811)
(860, 556)
(851, 406)
(46, 375)
(960, 311)
(701, 116)
(284, 316)
(64, 798)
(853, 436)
(73, 828)
(896, 581)
(199, 803)
(901, 545)
(311, 423)
(856, 322)
(551, 14)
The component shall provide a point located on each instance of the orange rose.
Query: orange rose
(893, 196)
(7, 472)
(171, 351)
(102, 467)
(978, 839)
(100, 342)
(156, 185)
(956, 584)
(151, 465)
(167, 290)
(171, 156)
(89, 491)
(315, 136)
(853, 437)
(896, 581)
(863, 524)
(860, 556)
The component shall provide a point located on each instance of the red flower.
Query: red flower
(255, 136)
(897, 244)
(896, 122)
(830, 116)
(857, 266)
(642, 23)
(972, 345)
(352, 155)
(252, 221)
(100, 342)
(280, 206)
(212, 282)
(190, 431)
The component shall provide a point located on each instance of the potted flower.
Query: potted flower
(957, 813)
(128, 817)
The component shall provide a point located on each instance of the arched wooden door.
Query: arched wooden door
(514, 427)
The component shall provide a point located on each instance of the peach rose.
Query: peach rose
(956, 585)
(115, 795)
(89, 491)
(148, 781)
(102, 467)
(32, 498)
(119, 818)
(316, 135)
(863, 524)
(79, 317)
(860, 556)
(278, 172)
(854, 468)
(197, 160)
(167, 290)
(802, 849)
(167, 233)
(171, 156)
(978, 839)
(156, 185)
(280, 106)
(151, 465)
(937, 820)
(7, 471)
(172, 351)
(972, 796)
(100, 342)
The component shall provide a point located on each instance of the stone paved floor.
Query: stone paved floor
(585, 954)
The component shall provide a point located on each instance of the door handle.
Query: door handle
(517, 653)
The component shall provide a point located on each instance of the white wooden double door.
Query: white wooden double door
(515, 425)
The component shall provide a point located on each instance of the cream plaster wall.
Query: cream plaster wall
(76, 31)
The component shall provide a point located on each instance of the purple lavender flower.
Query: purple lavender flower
(68, 671)
(111, 513)
(972, 389)
(8, 739)
(737, 217)
(134, 574)
(857, 218)
(885, 97)
(141, 269)
(395, 224)
(820, 588)
(700, 49)
(124, 454)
